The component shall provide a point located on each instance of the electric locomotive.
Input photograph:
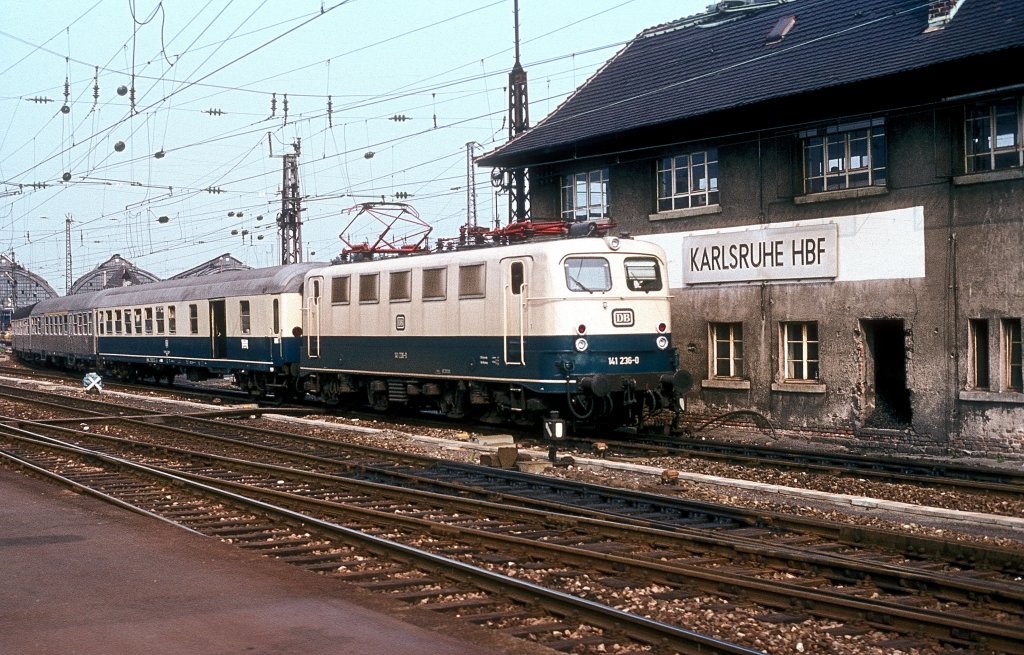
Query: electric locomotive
(574, 325)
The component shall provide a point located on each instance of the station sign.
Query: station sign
(762, 254)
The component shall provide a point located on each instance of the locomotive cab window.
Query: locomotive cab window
(643, 274)
(587, 274)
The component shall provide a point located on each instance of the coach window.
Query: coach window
(340, 290)
(193, 319)
(149, 320)
(172, 321)
(435, 283)
(369, 288)
(587, 274)
(243, 313)
(471, 281)
(138, 320)
(400, 286)
(117, 322)
(160, 320)
(643, 274)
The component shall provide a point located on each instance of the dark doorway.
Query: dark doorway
(218, 330)
(888, 399)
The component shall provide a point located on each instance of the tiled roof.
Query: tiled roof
(677, 72)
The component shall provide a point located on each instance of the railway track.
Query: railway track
(922, 472)
(930, 473)
(719, 539)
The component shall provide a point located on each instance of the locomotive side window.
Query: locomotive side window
(340, 290)
(369, 288)
(588, 274)
(400, 286)
(193, 319)
(435, 283)
(643, 274)
(244, 316)
(471, 281)
(277, 316)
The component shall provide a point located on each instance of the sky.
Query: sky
(383, 98)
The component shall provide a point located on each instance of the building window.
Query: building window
(369, 287)
(993, 135)
(585, 196)
(435, 283)
(245, 319)
(340, 290)
(400, 286)
(727, 349)
(844, 156)
(977, 330)
(193, 319)
(800, 351)
(689, 180)
(1012, 354)
(471, 281)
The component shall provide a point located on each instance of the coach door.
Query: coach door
(515, 273)
(218, 330)
(314, 293)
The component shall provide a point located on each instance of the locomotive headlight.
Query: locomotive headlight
(582, 345)
(662, 342)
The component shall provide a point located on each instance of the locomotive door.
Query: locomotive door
(515, 287)
(314, 293)
(218, 330)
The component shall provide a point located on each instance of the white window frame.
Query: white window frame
(687, 180)
(585, 195)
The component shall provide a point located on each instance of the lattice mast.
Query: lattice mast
(290, 221)
(518, 122)
(67, 250)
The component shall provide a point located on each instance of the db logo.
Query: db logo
(622, 317)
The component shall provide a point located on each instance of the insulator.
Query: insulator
(285, 109)
(273, 105)
(330, 111)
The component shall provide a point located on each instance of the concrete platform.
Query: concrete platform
(80, 577)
